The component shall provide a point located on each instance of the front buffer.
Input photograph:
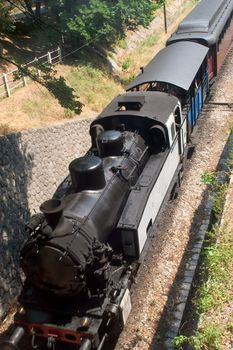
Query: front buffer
(85, 324)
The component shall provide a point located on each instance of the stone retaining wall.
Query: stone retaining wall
(32, 164)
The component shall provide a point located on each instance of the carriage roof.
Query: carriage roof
(176, 64)
(204, 23)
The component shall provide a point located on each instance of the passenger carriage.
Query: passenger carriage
(210, 24)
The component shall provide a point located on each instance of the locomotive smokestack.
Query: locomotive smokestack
(52, 210)
(110, 143)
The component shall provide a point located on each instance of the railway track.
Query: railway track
(218, 106)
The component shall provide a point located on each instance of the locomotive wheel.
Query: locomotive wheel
(174, 191)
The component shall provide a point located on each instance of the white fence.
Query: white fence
(8, 82)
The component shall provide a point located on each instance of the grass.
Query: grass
(93, 84)
(214, 295)
(122, 43)
(190, 4)
(33, 108)
(127, 63)
(150, 41)
(230, 157)
(217, 191)
(209, 339)
(217, 263)
(5, 128)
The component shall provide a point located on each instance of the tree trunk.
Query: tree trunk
(38, 8)
(69, 6)
(28, 4)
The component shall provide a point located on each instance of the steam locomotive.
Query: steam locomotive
(84, 248)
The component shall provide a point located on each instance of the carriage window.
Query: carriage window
(177, 118)
(173, 130)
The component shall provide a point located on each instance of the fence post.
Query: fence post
(7, 87)
(24, 81)
(38, 70)
(49, 57)
(59, 54)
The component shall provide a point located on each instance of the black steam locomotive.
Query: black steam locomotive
(85, 246)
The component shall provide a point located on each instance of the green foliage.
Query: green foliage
(209, 178)
(230, 327)
(219, 196)
(159, 3)
(69, 113)
(32, 108)
(150, 41)
(92, 21)
(6, 23)
(230, 156)
(126, 63)
(122, 43)
(214, 292)
(102, 21)
(217, 261)
(90, 79)
(179, 341)
(217, 191)
(127, 80)
(208, 338)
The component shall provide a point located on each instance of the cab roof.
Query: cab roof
(151, 104)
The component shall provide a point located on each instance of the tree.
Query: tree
(5, 20)
(27, 4)
(102, 21)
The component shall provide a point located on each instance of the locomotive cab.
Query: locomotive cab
(158, 118)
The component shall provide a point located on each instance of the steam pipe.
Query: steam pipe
(85, 345)
(12, 343)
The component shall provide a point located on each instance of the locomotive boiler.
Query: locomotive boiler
(68, 250)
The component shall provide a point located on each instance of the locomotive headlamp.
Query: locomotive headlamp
(85, 322)
(22, 311)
